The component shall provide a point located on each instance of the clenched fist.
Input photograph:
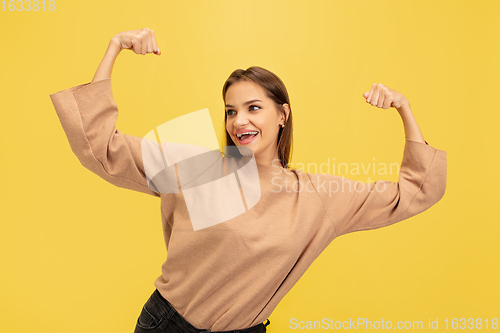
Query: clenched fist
(141, 41)
(384, 97)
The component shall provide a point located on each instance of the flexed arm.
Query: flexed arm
(354, 205)
(141, 41)
(385, 97)
(88, 115)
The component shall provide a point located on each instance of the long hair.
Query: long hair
(275, 89)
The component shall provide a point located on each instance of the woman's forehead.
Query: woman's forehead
(242, 91)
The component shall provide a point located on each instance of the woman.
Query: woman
(229, 277)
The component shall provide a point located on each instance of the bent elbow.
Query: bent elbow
(432, 193)
(436, 179)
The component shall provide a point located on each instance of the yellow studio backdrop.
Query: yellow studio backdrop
(80, 255)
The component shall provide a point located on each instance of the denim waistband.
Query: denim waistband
(168, 311)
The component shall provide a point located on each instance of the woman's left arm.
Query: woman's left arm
(354, 205)
(385, 97)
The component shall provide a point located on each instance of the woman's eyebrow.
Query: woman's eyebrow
(253, 100)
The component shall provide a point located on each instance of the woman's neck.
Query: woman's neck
(268, 161)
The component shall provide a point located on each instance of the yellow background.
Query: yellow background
(80, 255)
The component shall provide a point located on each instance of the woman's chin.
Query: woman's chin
(246, 151)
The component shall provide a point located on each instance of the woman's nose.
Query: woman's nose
(241, 120)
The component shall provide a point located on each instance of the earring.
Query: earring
(283, 125)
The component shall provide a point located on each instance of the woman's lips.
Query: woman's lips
(248, 140)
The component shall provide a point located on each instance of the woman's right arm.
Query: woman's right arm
(142, 41)
(107, 62)
(88, 115)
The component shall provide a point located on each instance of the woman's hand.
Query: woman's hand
(141, 41)
(385, 97)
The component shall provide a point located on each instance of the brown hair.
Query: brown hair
(275, 89)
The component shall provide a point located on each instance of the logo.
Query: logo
(183, 155)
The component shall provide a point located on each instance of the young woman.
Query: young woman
(229, 277)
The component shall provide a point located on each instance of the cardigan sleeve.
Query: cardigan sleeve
(354, 206)
(88, 115)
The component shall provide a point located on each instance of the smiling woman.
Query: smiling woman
(258, 115)
(229, 276)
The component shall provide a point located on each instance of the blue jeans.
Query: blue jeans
(159, 316)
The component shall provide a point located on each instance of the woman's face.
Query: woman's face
(248, 109)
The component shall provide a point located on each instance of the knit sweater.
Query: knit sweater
(232, 275)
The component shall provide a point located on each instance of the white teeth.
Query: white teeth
(240, 134)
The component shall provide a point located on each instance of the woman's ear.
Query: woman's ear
(286, 108)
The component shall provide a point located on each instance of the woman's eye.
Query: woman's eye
(231, 111)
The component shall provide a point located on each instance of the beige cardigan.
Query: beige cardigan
(232, 275)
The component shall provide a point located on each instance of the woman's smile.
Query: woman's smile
(246, 136)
